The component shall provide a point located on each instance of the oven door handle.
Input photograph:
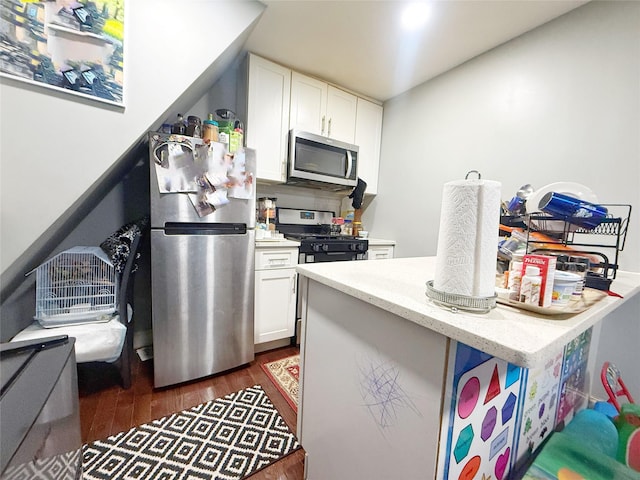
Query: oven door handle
(349, 164)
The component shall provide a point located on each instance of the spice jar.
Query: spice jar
(210, 129)
(194, 126)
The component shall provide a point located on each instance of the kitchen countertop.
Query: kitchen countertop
(523, 338)
(281, 242)
(380, 241)
(276, 243)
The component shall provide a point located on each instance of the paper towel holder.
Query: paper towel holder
(466, 177)
(457, 302)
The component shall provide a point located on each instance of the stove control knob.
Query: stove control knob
(325, 247)
(316, 247)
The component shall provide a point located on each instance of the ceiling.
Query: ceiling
(359, 44)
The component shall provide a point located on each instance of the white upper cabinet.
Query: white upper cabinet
(308, 104)
(320, 108)
(278, 99)
(269, 93)
(368, 137)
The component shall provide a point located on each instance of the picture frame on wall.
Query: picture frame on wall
(66, 45)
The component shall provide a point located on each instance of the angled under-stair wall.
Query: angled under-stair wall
(61, 155)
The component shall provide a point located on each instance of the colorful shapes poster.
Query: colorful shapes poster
(573, 383)
(480, 416)
(540, 403)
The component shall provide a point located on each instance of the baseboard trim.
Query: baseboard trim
(263, 347)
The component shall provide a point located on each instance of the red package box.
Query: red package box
(547, 266)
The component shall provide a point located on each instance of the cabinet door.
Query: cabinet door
(341, 115)
(275, 304)
(368, 137)
(269, 93)
(308, 104)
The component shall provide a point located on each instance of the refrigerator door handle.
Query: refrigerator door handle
(176, 228)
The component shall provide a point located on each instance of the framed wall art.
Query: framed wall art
(77, 47)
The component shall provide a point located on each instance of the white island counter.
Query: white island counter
(391, 389)
(518, 336)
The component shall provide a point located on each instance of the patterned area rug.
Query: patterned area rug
(228, 438)
(284, 374)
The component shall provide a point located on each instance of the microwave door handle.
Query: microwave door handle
(349, 164)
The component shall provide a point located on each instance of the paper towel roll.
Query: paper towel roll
(468, 238)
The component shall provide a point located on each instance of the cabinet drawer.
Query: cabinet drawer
(380, 252)
(276, 258)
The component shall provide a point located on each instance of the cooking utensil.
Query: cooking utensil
(357, 195)
(524, 191)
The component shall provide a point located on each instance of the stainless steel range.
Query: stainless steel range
(312, 228)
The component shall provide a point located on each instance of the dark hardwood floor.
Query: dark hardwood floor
(106, 409)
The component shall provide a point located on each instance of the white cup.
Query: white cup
(363, 234)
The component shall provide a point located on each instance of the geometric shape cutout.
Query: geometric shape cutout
(498, 443)
(468, 397)
(501, 464)
(463, 445)
(494, 386)
(470, 469)
(508, 408)
(513, 374)
(489, 423)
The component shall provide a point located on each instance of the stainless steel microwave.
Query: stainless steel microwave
(321, 162)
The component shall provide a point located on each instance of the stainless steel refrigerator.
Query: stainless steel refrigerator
(202, 257)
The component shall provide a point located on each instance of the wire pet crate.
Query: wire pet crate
(79, 285)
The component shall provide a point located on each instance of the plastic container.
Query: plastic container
(579, 269)
(515, 278)
(194, 126)
(531, 285)
(210, 129)
(235, 140)
(564, 286)
(226, 124)
(267, 209)
(347, 227)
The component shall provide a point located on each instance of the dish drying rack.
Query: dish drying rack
(554, 234)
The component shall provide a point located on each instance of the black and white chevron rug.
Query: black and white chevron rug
(224, 439)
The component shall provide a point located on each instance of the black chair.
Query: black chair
(102, 342)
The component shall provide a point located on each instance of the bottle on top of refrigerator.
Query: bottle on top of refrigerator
(179, 127)
(530, 285)
(194, 126)
(210, 129)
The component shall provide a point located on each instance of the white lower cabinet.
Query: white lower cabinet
(275, 294)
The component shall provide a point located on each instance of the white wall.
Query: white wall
(55, 146)
(617, 338)
(560, 103)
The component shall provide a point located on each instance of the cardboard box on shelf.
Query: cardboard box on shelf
(547, 266)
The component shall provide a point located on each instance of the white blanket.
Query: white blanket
(95, 342)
